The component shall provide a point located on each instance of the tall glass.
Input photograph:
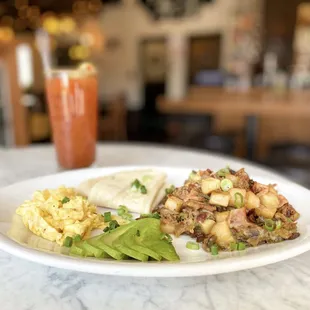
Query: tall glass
(73, 110)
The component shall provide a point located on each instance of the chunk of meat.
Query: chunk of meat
(288, 211)
(260, 188)
(243, 179)
(243, 230)
(186, 222)
(282, 201)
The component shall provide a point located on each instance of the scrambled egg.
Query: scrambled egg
(56, 214)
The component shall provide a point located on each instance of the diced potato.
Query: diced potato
(232, 193)
(174, 203)
(209, 185)
(270, 200)
(221, 216)
(232, 178)
(251, 201)
(223, 234)
(265, 212)
(167, 228)
(219, 199)
(207, 225)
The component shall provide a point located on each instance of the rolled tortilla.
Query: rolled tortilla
(114, 190)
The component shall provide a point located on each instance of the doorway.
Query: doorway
(153, 64)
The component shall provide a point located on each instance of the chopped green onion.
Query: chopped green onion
(122, 210)
(107, 217)
(269, 225)
(226, 185)
(166, 237)
(124, 213)
(214, 249)
(278, 224)
(192, 245)
(77, 238)
(233, 246)
(289, 220)
(170, 189)
(65, 200)
(241, 246)
(138, 233)
(151, 215)
(223, 172)
(113, 224)
(143, 190)
(135, 185)
(238, 200)
(68, 242)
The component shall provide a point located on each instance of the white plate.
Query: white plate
(19, 241)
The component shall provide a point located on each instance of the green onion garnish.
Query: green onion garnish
(166, 237)
(143, 190)
(124, 213)
(151, 215)
(238, 200)
(192, 245)
(170, 189)
(241, 246)
(223, 172)
(122, 210)
(65, 200)
(269, 225)
(68, 242)
(226, 185)
(113, 224)
(214, 249)
(233, 246)
(135, 185)
(107, 217)
(77, 238)
(278, 224)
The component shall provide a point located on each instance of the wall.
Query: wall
(130, 22)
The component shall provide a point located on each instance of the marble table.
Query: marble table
(29, 286)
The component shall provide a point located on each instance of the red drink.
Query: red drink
(73, 99)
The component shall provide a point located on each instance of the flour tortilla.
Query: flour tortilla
(114, 190)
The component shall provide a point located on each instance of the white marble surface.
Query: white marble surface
(25, 285)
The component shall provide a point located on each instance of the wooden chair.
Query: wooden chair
(114, 125)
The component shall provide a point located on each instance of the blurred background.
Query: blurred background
(229, 76)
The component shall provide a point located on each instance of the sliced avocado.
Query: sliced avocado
(76, 251)
(163, 248)
(91, 250)
(105, 242)
(150, 237)
(126, 242)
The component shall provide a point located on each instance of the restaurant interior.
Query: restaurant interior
(225, 76)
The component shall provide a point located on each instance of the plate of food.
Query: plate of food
(154, 221)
